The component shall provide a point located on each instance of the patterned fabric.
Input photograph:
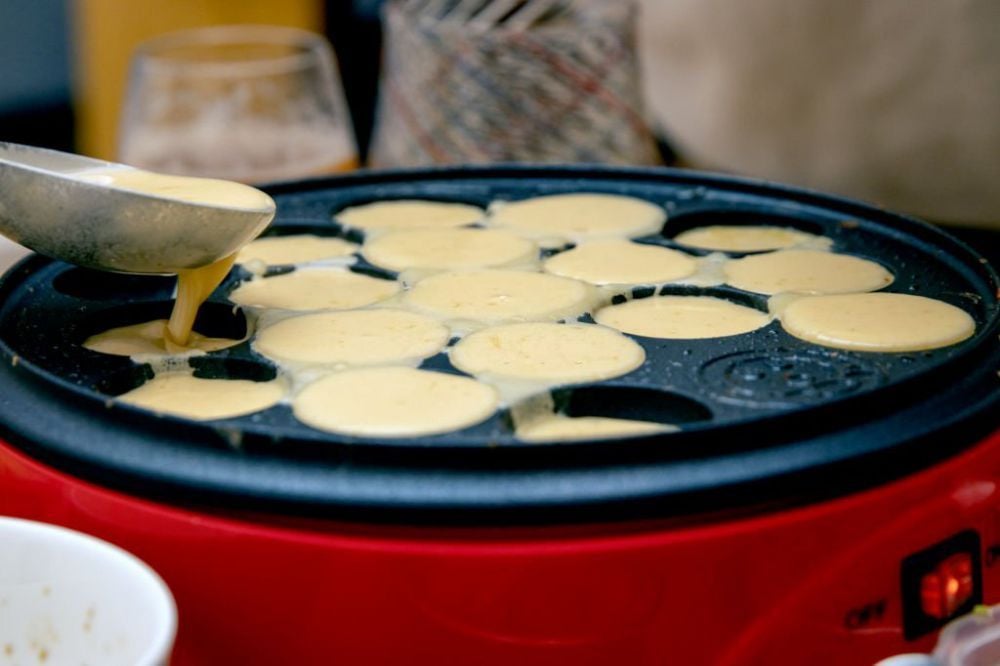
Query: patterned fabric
(566, 90)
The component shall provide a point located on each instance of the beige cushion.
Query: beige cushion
(894, 101)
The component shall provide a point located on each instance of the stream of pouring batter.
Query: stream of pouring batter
(195, 285)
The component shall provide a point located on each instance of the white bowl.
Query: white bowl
(68, 598)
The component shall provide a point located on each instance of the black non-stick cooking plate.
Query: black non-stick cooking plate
(761, 414)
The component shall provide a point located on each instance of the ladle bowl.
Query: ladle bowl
(46, 206)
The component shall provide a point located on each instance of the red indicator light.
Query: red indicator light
(949, 585)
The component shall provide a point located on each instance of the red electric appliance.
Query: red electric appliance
(817, 507)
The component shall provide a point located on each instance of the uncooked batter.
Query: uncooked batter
(314, 289)
(182, 394)
(354, 337)
(579, 216)
(208, 191)
(877, 322)
(807, 271)
(149, 338)
(559, 427)
(448, 249)
(682, 317)
(176, 335)
(409, 214)
(394, 402)
(616, 261)
(547, 353)
(734, 238)
(297, 249)
(193, 285)
(501, 295)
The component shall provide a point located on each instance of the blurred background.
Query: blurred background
(896, 102)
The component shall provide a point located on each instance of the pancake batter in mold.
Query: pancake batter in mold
(394, 402)
(314, 289)
(550, 354)
(353, 337)
(448, 249)
(183, 394)
(557, 218)
(409, 214)
(621, 262)
(806, 271)
(296, 249)
(493, 296)
(682, 317)
(876, 322)
(736, 238)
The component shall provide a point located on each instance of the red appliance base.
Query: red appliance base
(817, 584)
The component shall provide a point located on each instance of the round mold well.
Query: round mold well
(630, 402)
(294, 226)
(617, 401)
(723, 292)
(89, 284)
(124, 380)
(218, 367)
(215, 320)
(686, 220)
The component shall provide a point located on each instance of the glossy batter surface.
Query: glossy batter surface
(682, 317)
(735, 238)
(314, 289)
(149, 338)
(877, 322)
(547, 353)
(296, 249)
(191, 397)
(409, 214)
(394, 402)
(353, 337)
(616, 261)
(448, 249)
(501, 295)
(210, 191)
(580, 216)
(807, 271)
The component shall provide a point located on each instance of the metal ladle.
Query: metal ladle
(47, 208)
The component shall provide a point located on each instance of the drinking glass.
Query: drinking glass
(247, 103)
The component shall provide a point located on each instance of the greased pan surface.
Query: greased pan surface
(737, 396)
